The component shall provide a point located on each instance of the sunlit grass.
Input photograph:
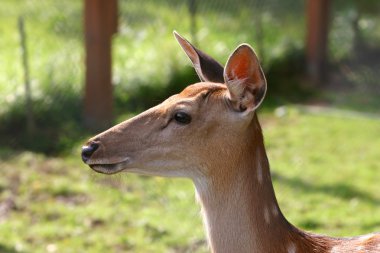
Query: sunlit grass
(329, 164)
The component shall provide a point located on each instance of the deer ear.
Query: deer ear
(206, 67)
(245, 79)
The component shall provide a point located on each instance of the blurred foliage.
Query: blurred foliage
(286, 79)
(141, 97)
(59, 123)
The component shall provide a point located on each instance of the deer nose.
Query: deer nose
(87, 151)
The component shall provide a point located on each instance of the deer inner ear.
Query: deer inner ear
(245, 79)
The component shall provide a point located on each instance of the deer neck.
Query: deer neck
(239, 208)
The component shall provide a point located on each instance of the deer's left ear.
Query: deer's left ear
(208, 69)
(245, 79)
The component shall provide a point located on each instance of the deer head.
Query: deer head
(189, 133)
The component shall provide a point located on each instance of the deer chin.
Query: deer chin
(107, 168)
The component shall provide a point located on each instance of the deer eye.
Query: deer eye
(182, 118)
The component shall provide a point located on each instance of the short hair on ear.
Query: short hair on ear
(207, 68)
(245, 79)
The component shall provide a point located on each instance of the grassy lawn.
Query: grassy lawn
(325, 167)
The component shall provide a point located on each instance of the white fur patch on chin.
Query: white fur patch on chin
(109, 168)
(107, 161)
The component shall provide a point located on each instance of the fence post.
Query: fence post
(100, 23)
(317, 37)
(30, 123)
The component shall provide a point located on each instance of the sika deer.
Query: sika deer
(210, 133)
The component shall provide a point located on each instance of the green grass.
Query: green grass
(325, 169)
(60, 202)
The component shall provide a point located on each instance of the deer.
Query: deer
(210, 133)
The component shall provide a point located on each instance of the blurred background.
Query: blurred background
(72, 68)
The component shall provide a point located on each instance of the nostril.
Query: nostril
(87, 151)
(94, 146)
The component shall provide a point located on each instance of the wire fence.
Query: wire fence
(146, 58)
(354, 51)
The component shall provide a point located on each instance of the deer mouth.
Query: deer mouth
(109, 169)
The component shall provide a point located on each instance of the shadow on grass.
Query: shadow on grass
(371, 226)
(311, 224)
(7, 249)
(341, 190)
